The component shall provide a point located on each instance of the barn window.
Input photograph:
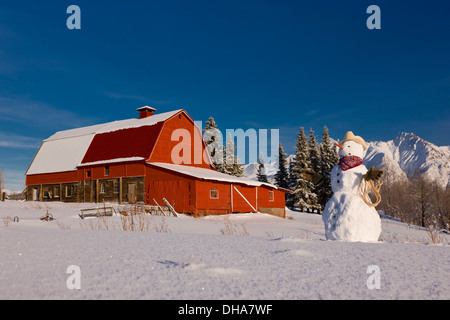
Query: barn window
(102, 187)
(56, 192)
(68, 191)
(271, 196)
(214, 193)
(106, 170)
(116, 187)
(88, 174)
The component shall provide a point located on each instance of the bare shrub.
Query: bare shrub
(7, 221)
(416, 201)
(233, 229)
(162, 226)
(62, 225)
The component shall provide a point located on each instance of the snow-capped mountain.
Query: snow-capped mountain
(401, 158)
(409, 154)
(251, 169)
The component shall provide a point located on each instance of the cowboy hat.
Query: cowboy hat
(349, 136)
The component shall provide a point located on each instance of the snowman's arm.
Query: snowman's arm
(312, 176)
(373, 174)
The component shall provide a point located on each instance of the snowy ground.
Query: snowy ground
(242, 256)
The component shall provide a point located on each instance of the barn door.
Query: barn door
(244, 199)
(132, 191)
(35, 194)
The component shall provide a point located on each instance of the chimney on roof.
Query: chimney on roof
(145, 112)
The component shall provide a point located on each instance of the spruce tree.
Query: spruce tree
(292, 183)
(261, 173)
(282, 175)
(314, 158)
(314, 153)
(304, 196)
(328, 159)
(238, 169)
(231, 163)
(212, 136)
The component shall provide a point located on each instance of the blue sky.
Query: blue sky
(249, 64)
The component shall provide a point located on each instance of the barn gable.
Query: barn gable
(167, 142)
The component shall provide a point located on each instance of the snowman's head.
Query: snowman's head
(351, 148)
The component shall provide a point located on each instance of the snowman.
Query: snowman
(349, 215)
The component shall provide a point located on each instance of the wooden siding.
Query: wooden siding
(178, 190)
(59, 177)
(99, 190)
(206, 205)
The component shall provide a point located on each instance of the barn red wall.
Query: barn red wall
(115, 171)
(178, 190)
(207, 205)
(239, 204)
(97, 172)
(164, 145)
(264, 200)
(48, 178)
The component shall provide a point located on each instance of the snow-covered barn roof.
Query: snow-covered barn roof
(60, 155)
(66, 150)
(209, 174)
(113, 126)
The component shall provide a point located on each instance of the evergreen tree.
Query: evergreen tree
(210, 124)
(314, 159)
(314, 153)
(328, 159)
(282, 175)
(303, 196)
(231, 163)
(292, 182)
(261, 173)
(238, 169)
(212, 137)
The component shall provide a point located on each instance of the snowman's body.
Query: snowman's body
(346, 216)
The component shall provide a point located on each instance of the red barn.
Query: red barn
(131, 161)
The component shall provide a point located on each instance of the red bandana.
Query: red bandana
(349, 162)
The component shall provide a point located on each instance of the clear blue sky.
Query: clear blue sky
(249, 64)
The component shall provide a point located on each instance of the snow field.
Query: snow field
(273, 259)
